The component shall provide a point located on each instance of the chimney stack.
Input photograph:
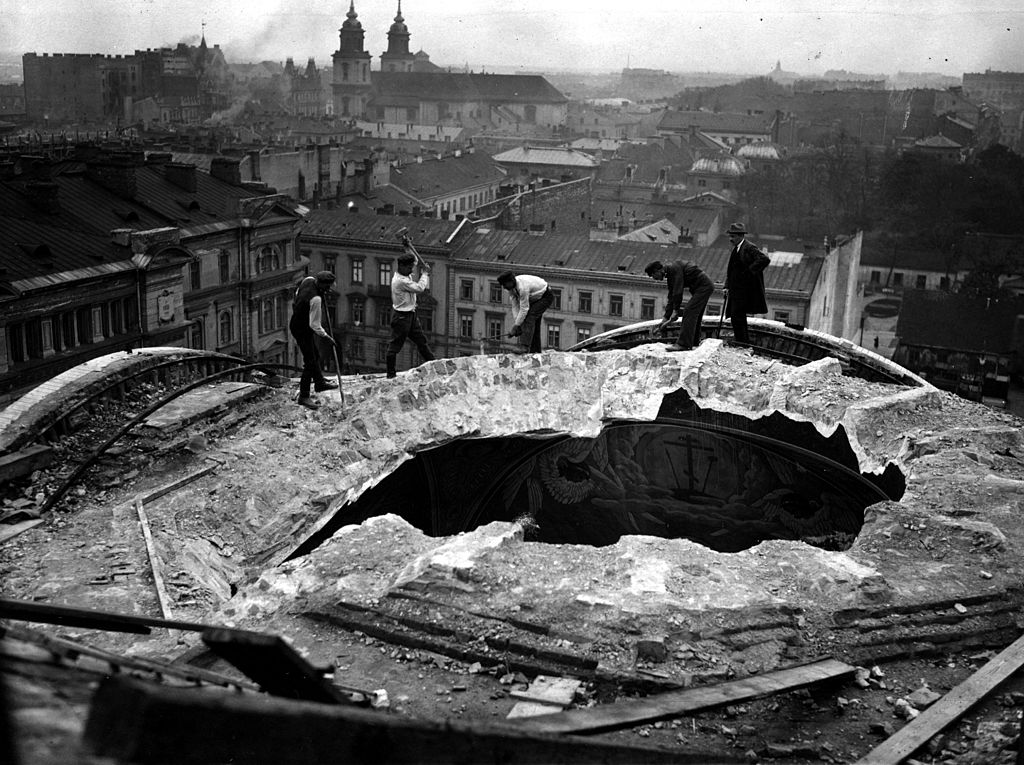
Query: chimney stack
(181, 175)
(115, 172)
(226, 169)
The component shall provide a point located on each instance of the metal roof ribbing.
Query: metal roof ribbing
(432, 178)
(335, 224)
(554, 156)
(515, 249)
(66, 249)
(205, 205)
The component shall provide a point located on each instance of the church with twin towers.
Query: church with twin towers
(408, 89)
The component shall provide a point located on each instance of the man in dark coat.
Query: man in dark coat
(682, 275)
(744, 281)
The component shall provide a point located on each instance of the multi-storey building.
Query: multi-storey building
(114, 251)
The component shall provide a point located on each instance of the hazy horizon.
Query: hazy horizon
(731, 37)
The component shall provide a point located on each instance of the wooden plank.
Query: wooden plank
(12, 530)
(149, 724)
(667, 706)
(154, 561)
(175, 485)
(946, 710)
(48, 613)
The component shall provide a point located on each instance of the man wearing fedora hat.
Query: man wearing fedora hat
(744, 282)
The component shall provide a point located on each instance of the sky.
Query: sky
(734, 36)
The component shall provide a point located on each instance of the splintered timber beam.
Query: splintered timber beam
(145, 723)
(667, 706)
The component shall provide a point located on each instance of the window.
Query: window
(356, 348)
(196, 339)
(83, 320)
(357, 312)
(16, 343)
(357, 270)
(586, 299)
(615, 305)
(876, 277)
(224, 264)
(426, 317)
(554, 335)
(944, 283)
(713, 309)
(921, 281)
(271, 315)
(582, 333)
(225, 332)
(466, 289)
(330, 263)
(494, 292)
(194, 274)
(556, 298)
(495, 327)
(897, 279)
(269, 259)
(384, 274)
(466, 325)
(781, 316)
(384, 316)
(646, 308)
(382, 350)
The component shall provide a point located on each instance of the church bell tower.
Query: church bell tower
(350, 84)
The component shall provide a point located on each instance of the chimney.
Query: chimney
(159, 158)
(115, 173)
(226, 169)
(181, 175)
(254, 165)
(44, 195)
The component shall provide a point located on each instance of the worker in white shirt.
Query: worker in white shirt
(531, 297)
(404, 322)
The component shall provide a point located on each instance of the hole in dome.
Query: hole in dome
(721, 480)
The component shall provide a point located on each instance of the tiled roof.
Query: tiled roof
(337, 224)
(433, 177)
(714, 121)
(555, 156)
(968, 324)
(391, 87)
(516, 249)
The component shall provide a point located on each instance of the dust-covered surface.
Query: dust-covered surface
(930, 586)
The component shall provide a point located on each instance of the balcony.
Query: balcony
(379, 290)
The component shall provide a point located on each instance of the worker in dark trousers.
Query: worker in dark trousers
(404, 322)
(683, 275)
(531, 297)
(305, 325)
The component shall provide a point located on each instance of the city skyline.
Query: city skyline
(947, 37)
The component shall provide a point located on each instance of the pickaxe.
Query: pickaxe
(403, 234)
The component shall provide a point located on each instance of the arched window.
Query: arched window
(225, 328)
